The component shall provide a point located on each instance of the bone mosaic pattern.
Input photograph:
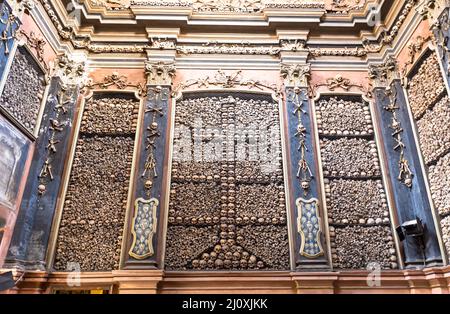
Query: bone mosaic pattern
(354, 247)
(431, 110)
(341, 117)
(426, 86)
(346, 203)
(24, 76)
(434, 131)
(94, 210)
(439, 175)
(232, 215)
(349, 157)
(358, 213)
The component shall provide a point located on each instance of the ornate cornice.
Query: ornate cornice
(388, 37)
(160, 73)
(67, 33)
(231, 6)
(383, 74)
(295, 75)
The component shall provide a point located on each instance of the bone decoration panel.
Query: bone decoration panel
(227, 207)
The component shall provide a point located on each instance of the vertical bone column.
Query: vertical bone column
(401, 154)
(34, 223)
(144, 232)
(307, 218)
(9, 24)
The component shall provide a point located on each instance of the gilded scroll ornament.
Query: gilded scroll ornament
(309, 227)
(143, 228)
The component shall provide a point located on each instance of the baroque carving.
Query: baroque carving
(383, 74)
(118, 81)
(223, 48)
(36, 42)
(339, 82)
(160, 73)
(69, 71)
(223, 80)
(231, 6)
(304, 173)
(295, 74)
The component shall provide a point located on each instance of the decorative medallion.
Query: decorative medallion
(308, 224)
(143, 228)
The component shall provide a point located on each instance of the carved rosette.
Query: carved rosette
(160, 73)
(309, 227)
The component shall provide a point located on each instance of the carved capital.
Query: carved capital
(295, 75)
(383, 74)
(69, 71)
(160, 73)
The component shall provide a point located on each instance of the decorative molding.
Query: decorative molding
(338, 52)
(405, 174)
(388, 37)
(160, 73)
(230, 6)
(224, 81)
(96, 48)
(115, 80)
(162, 43)
(309, 227)
(113, 5)
(383, 74)
(243, 48)
(345, 6)
(295, 74)
(64, 32)
(143, 228)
